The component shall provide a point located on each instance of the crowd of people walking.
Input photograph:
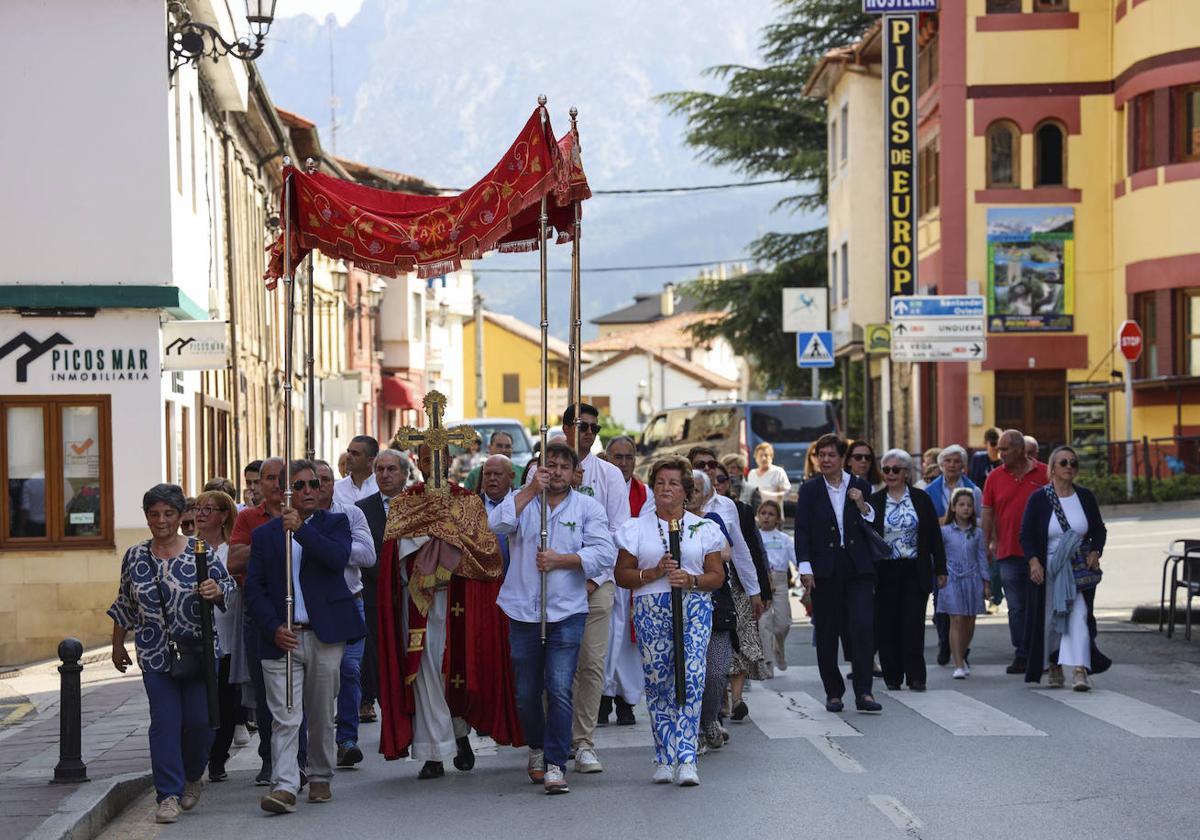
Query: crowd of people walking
(591, 594)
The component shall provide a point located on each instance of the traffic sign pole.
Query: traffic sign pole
(1130, 341)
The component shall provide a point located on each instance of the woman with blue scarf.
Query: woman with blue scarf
(1062, 536)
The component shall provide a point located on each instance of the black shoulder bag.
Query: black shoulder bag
(185, 657)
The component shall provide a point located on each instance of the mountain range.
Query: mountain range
(438, 90)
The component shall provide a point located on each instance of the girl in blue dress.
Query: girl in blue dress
(969, 581)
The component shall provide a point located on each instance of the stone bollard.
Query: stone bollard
(70, 767)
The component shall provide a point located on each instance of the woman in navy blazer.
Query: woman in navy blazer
(1035, 526)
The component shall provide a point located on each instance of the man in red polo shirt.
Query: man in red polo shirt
(1005, 493)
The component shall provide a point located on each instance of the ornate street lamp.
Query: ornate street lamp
(188, 41)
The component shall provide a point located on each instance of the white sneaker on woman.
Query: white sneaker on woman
(960, 673)
(689, 776)
(664, 774)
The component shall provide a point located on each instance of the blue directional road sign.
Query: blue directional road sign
(814, 349)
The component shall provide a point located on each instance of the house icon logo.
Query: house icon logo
(34, 350)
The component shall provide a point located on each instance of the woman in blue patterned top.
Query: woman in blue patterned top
(159, 599)
(910, 526)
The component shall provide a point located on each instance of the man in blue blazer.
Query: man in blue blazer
(837, 566)
(325, 618)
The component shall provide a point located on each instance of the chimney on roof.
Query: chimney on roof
(666, 305)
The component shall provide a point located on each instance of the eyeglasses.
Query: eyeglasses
(583, 426)
(722, 479)
(1068, 462)
(313, 483)
(705, 465)
(208, 510)
(891, 470)
(861, 456)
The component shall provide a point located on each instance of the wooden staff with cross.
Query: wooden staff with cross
(438, 438)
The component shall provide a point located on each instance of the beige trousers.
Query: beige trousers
(775, 623)
(589, 674)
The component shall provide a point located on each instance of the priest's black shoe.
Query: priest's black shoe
(624, 713)
(465, 760)
(431, 770)
(834, 704)
(606, 707)
(867, 703)
(1017, 666)
(943, 656)
(917, 686)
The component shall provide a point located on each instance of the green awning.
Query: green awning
(168, 298)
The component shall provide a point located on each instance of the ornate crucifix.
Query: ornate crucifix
(437, 437)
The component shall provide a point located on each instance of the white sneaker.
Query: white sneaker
(555, 781)
(664, 774)
(688, 775)
(967, 668)
(586, 761)
(960, 673)
(241, 735)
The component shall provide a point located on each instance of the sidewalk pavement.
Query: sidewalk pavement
(116, 750)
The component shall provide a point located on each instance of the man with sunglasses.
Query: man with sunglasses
(1005, 493)
(325, 618)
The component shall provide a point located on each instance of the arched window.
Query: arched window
(1003, 155)
(1050, 155)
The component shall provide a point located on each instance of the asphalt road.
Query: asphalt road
(982, 758)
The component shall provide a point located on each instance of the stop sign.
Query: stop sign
(1130, 339)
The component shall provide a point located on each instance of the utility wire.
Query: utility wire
(666, 190)
(612, 268)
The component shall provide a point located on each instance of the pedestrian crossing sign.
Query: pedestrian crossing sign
(814, 349)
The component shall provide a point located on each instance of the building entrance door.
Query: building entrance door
(1034, 401)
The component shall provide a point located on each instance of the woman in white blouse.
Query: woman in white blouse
(770, 479)
(645, 566)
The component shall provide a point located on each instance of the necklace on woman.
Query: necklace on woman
(662, 536)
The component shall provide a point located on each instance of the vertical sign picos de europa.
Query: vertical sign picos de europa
(900, 118)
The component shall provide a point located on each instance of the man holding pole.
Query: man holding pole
(579, 550)
(325, 618)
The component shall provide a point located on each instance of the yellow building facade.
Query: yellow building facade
(1060, 152)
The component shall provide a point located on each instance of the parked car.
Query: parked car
(790, 426)
(486, 427)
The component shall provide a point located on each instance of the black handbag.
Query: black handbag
(724, 616)
(877, 545)
(185, 658)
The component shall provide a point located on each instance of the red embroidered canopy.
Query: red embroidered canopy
(391, 233)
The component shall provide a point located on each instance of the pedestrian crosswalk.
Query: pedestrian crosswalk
(962, 714)
(1128, 713)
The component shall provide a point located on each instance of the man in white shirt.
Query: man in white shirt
(605, 483)
(579, 550)
(360, 483)
(362, 556)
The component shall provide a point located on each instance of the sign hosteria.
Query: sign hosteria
(892, 7)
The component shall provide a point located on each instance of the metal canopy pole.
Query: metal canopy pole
(310, 432)
(543, 221)
(576, 350)
(288, 338)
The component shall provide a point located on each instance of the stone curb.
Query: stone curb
(86, 812)
(1144, 508)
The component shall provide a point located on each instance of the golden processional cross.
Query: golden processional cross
(437, 437)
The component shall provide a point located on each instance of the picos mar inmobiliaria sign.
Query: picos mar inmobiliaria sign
(195, 345)
(41, 356)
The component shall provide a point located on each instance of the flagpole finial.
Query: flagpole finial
(574, 112)
(542, 100)
(310, 165)
(287, 161)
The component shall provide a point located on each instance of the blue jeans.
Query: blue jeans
(1014, 572)
(546, 670)
(179, 733)
(350, 692)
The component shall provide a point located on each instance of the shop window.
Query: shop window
(1050, 155)
(512, 387)
(1141, 141)
(1186, 119)
(1191, 331)
(927, 170)
(57, 465)
(1003, 155)
(1003, 7)
(1051, 5)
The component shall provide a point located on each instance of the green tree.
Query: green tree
(761, 124)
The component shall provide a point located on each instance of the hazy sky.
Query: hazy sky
(343, 10)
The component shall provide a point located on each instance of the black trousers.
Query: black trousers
(842, 602)
(232, 714)
(900, 602)
(369, 673)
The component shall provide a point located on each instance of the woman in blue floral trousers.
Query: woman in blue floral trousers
(645, 566)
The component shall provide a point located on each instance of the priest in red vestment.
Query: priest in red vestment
(444, 662)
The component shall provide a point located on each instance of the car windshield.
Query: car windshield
(790, 422)
(486, 430)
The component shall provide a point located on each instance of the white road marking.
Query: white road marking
(894, 810)
(837, 756)
(795, 714)
(959, 714)
(1134, 716)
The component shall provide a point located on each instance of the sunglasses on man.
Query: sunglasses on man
(584, 426)
(313, 484)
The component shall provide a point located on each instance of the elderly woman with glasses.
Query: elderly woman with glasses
(215, 514)
(1063, 536)
(159, 599)
(910, 525)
